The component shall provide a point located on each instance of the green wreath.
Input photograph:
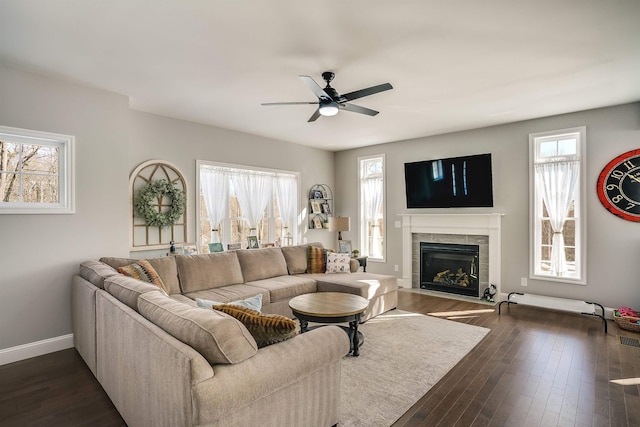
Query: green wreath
(152, 193)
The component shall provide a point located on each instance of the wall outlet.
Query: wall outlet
(395, 267)
(523, 281)
(397, 224)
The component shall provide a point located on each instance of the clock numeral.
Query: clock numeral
(611, 187)
(629, 165)
(617, 174)
(630, 206)
(616, 199)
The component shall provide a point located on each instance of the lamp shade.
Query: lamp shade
(340, 223)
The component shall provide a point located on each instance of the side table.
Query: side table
(363, 262)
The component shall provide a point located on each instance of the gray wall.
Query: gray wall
(613, 245)
(41, 252)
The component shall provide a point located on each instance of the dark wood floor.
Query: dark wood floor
(535, 368)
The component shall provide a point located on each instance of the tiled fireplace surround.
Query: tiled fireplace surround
(477, 229)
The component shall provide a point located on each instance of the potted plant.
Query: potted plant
(355, 253)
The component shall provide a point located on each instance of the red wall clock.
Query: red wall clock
(619, 186)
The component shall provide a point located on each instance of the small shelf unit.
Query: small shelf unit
(320, 206)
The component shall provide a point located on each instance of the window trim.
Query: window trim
(361, 229)
(66, 167)
(534, 229)
(199, 163)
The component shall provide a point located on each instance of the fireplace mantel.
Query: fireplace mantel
(461, 224)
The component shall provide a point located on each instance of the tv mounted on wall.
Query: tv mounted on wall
(456, 182)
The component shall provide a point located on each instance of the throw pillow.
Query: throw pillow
(266, 329)
(254, 303)
(338, 263)
(316, 258)
(144, 271)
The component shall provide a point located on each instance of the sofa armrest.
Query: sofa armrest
(301, 371)
(83, 316)
(147, 373)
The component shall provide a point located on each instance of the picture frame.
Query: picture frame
(316, 207)
(190, 249)
(234, 246)
(253, 242)
(215, 247)
(317, 222)
(325, 195)
(344, 247)
(326, 209)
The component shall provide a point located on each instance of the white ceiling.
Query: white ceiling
(454, 65)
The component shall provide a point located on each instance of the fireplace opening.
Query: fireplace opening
(449, 267)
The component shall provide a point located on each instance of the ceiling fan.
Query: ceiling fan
(330, 102)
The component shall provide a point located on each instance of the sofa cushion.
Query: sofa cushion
(316, 259)
(286, 287)
(263, 263)
(218, 337)
(338, 263)
(144, 271)
(266, 329)
(164, 266)
(296, 257)
(96, 271)
(254, 303)
(198, 272)
(127, 289)
(366, 285)
(230, 293)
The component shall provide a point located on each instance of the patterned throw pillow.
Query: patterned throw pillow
(338, 263)
(266, 329)
(316, 259)
(144, 271)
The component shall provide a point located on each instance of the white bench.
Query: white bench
(554, 303)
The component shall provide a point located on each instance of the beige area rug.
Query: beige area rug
(403, 356)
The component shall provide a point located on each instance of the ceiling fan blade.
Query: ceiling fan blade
(366, 92)
(358, 109)
(315, 88)
(288, 103)
(314, 116)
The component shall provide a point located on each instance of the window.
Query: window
(372, 232)
(557, 205)
(238, 201)
(36, 172)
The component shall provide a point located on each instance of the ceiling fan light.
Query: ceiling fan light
(329, 109)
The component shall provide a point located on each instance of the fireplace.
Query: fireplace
(448, 267)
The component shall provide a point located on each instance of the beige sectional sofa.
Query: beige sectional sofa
(165, 362)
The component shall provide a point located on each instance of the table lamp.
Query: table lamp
(339, 224)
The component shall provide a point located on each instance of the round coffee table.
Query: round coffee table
(331, 307)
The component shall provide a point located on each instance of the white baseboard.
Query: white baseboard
(33, 349)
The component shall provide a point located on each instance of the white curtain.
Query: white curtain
(286, 189)
(215, 189)
(557, 183)
(253, 191)
(373, 192)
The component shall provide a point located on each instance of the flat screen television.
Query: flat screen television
(456, 182)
